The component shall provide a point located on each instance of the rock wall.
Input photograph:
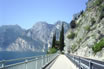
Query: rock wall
(89, 30)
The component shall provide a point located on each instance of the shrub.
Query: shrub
(52, 50)
(73, 24)
(93, 36)
(83, 14)
(101, 16)
(79, 41)
(57, 44)
(93, 21)
(89, 9)
(71, 35)
(101, 7)
(97, 2)
(98, 46)
(73, 48)
(78, 24)
(87, 28)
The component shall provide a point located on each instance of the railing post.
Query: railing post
(50, 58)
(26, 63)
(47, 58)
(79, 63)
(90, 64)
(74, 59)
(36, 65)
(3, 64)
(42, 61)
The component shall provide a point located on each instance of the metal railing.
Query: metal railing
(85, 63)
(36, 62)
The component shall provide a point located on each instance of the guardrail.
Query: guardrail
(84, 63)
(36, 62)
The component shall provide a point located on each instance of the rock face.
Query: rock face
(38, 38)
(89, 31)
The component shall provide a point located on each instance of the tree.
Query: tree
(54, 40)
(53, 49)
(57, 44)
(61, 48)
(72, 24)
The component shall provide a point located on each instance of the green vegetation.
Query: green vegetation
(57, 45)
(52, 50)
(79, 41)
(93, 36)
(83, 14)
(101, 15)
(98, 46)
(97, 2)
(87, 28)
(73, 48)
(101, 7)
(89, 9)
(54, 41)
(72, 24)
(78, 24)
(93, 20)
(71, 35)
(61, 48)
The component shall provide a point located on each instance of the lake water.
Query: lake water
(5, 55)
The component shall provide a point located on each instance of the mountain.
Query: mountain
(38, 38)
(86, 34)
(42, 31)
(8, 34)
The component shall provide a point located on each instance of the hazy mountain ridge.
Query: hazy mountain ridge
(38, 38)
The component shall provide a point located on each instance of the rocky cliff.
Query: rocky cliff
(85, 37)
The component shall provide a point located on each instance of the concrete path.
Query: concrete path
(62, 62)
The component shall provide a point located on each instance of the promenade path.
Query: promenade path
(62, 62)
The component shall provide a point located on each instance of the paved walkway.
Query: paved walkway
(62, 62)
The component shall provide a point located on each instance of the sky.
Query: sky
(27, 12)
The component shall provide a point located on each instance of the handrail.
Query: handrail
(36, 62)
(18, 59)
(84, 63)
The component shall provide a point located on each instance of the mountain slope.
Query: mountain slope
(89, 31)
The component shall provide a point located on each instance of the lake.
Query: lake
(5, 55)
